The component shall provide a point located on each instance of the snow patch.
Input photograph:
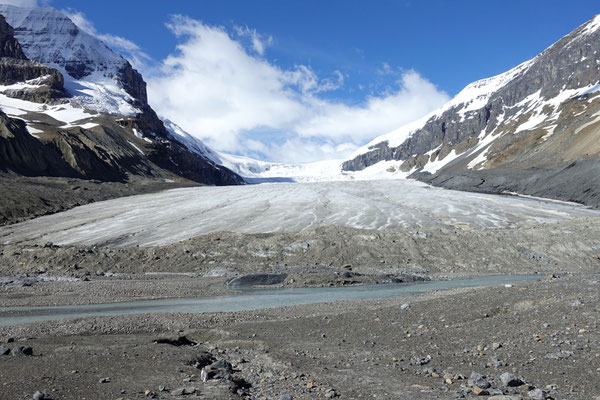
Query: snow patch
(34, 131)
(592, 26)
(435, 166)
(596, 117)
(99, 93)
(66, 113)
(137, 148)
(139, 135)
(549, 132)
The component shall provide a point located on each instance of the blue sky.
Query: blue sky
(330, 60)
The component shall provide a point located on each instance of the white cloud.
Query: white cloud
(259, 42)
(219, 86)
(225, 92)
(301, 150)
(132, 51)
(414, 97)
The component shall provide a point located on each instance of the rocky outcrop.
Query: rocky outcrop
(45, 83)
(133, 83)
(23, 154)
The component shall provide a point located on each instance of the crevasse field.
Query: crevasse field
(179, 214)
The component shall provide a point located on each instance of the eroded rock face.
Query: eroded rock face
(22, 153)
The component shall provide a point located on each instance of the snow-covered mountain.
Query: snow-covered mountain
(499, 120)
(97, 77)
(82, 109)
(526, 130)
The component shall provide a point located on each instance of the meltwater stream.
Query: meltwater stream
(255, 299)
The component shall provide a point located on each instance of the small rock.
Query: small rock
(331, 394)
(495, 361)
(448, 378)
(496, 346)
(286, 397)
(104, 380)
(176, 341)
(477, 380)
(480, 392)
(38, 396)
(161, 388)
(222, 364)
(405, 306)
(204, 375)
(28, 351)
(4, 350)
(537, 394)
(510, 380)
(310, 385)
(17, 351)
(183, 391)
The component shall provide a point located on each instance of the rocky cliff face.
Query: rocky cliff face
(15, 67)
(541, 114)
(10, 47)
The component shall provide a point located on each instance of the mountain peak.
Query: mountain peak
(49, 37)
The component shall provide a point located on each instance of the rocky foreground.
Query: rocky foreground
(534, 340)
(531, 340)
